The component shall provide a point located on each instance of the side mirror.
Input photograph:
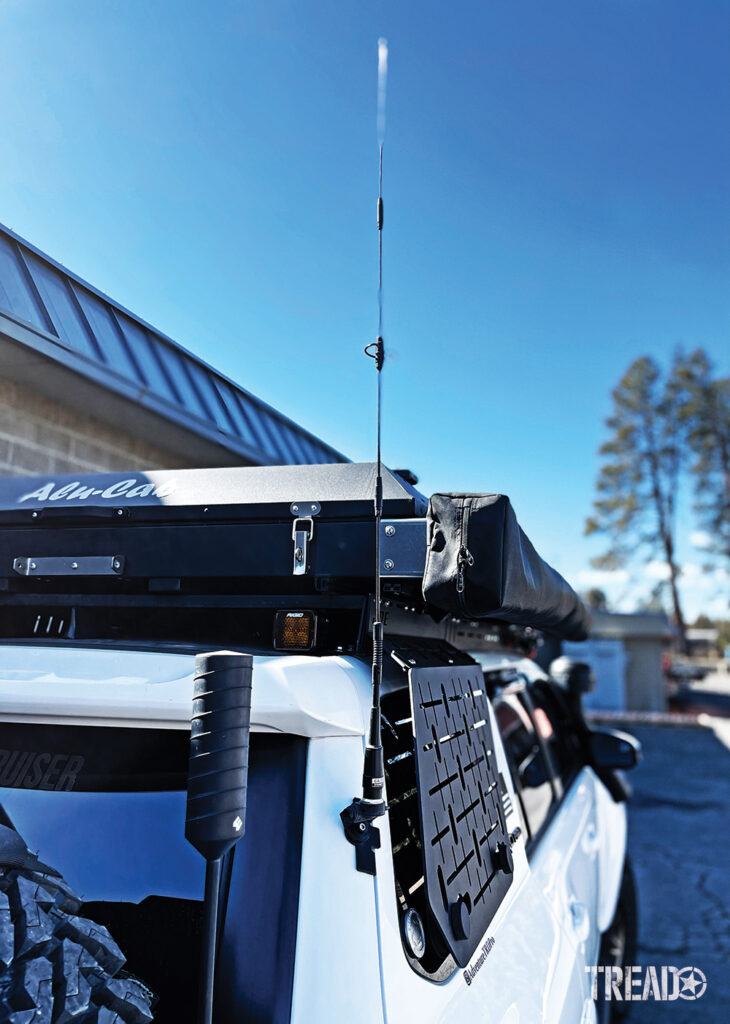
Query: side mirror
(611, 749)
(577, 677)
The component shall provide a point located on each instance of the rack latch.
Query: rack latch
(302, 532)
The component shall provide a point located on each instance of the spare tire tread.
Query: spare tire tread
(57, 967)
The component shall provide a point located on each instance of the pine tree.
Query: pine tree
(636, 499)
(705, 418)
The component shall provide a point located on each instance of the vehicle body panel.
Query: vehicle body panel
(337, 971)
(612, 828)
(571, 883)
(350, 963)
(530, 972)
(302, 695)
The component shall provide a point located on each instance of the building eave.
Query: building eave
(70, 341)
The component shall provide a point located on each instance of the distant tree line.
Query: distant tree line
(665, 426)
(721, 625)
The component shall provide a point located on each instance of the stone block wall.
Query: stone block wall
(39, 436)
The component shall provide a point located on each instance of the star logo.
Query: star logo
(693, 982)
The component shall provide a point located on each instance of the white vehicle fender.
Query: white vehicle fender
(611, 817)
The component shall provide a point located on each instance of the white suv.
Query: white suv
(101, 896)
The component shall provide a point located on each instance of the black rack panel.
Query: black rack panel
(465, 843)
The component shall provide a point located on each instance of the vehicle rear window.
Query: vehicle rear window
(527, 762)
(558, 730)
(106, 808)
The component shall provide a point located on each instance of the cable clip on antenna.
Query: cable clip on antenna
(376, 351)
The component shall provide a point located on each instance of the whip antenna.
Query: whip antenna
(359, 816)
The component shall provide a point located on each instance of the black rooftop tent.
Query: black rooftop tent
(341, 489)
(304, 531)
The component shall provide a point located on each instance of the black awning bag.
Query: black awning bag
(481, 565)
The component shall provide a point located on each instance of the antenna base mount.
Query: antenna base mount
(357, 821)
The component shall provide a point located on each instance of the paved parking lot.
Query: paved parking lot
(679, 821)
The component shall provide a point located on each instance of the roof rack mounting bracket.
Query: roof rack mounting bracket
(403, 547)
(70, 565)
(302, 533)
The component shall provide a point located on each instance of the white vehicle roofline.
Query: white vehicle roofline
(296, 694)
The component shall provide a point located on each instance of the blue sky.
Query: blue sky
(556, 202)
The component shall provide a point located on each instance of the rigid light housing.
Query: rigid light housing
(295, 630)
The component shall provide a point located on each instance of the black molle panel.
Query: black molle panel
(466, 847)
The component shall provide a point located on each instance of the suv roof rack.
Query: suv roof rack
(245, 492)
(172, 555)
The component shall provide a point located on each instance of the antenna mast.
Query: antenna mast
(359, 816)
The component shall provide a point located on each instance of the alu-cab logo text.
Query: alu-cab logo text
(130, 488)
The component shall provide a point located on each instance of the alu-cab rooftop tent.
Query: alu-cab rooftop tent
(304, 531)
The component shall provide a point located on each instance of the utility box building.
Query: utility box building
(85, 385)
(625, 651)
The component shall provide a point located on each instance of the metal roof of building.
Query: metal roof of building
(61, 318)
